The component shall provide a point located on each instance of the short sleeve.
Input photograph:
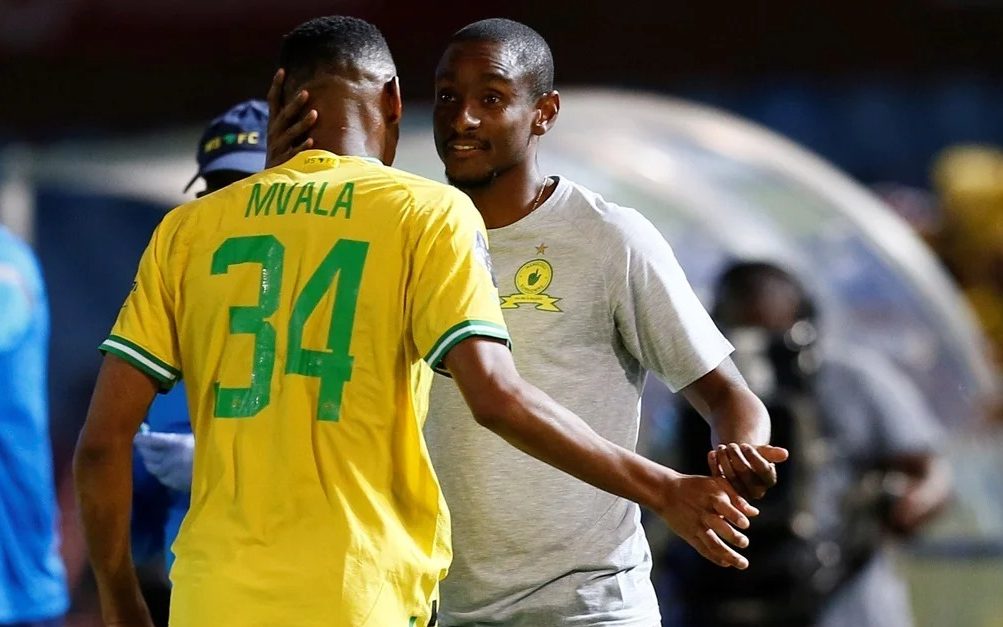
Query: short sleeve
(144, 334)
(453, 295)
(658, 316)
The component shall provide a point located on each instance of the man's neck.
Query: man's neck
(353, 142)
(510, 197)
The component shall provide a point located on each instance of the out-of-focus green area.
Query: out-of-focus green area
(955, 571)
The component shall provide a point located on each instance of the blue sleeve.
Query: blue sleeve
(169, 412)
(16, 305)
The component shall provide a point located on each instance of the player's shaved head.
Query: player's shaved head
(338, 45)
(344, 66)
(528, 46)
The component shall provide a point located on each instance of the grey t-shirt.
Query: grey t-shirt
(593, 298)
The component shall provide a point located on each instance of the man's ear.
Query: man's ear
(548, 106)
(393, 107)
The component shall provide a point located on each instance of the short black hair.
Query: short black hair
(744, 279)
(529, 46)
(335, 43)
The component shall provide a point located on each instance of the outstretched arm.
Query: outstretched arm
(704, 511)
(102, 466)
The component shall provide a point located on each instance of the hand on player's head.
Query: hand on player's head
(289, 124)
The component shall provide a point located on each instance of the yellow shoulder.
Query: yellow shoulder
(433, 196)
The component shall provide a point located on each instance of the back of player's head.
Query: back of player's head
(529, 46)
(749, 291)
(336, 44)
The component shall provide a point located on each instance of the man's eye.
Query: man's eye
(491, 99)
(445, 97)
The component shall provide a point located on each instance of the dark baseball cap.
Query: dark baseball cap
(234, 141)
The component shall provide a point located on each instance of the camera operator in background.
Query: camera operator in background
(863, 470)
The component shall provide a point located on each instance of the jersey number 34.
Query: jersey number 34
(333, 366)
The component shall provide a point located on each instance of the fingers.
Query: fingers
(304, 123)
(708, 513)
(306, 145)
(275, 93)
(773, 454)
(298, 129)
(725, 531)
(724, 509)
(708, 544)
(748, 471)
(287, 127)
(736, 500)
(736, 469)
(766, 471)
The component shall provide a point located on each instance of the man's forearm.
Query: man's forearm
(733, 412)
(740, 416)
(103, 477)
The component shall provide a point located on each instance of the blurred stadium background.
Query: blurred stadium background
(704, 116)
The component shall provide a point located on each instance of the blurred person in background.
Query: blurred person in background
(864, 469)
(313, 499)
(32, 577)
(969, 181)
(594, 298)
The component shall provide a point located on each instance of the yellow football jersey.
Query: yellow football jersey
(304, 306)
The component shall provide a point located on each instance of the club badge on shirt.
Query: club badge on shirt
(532, 280)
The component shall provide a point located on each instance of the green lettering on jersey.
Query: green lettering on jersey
(305, 198)
(320, 196)
(344, 200)
(267, 252)
(256, 201)
(282, 198)
(340, 272)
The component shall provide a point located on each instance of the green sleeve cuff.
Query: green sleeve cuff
(460, 332)
(162, 372)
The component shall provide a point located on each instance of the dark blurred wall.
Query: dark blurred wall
(87, 66)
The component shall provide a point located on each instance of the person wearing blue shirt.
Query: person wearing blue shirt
(33, 589)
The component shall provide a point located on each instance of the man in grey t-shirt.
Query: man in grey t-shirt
(594, 299)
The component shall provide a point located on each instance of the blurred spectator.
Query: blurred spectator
(969, 180)
(863, 467)
(32, 577)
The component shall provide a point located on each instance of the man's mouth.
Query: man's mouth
(462, 147)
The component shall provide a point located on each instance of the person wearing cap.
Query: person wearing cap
(231, 148)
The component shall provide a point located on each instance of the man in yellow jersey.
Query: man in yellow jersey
(306, 307)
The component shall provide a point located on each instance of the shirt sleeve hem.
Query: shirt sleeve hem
(162, 372)
(459, 332)
(707, 362)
